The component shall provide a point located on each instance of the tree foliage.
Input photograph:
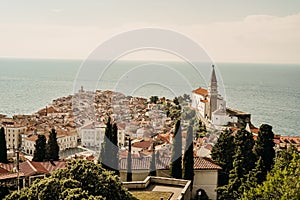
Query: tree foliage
(52, 148)
(188, 159)
(106, 146)
(153, 163)
(222, 154)
(40, 149)
(3, 148)
(115, 149)
(176, 168)
(264, 148)
(79, 180)
(245, 141)
(154, 99)
(109, 155)
(282, 182)
(129, 163)
(243, 162)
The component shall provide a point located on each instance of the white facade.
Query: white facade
(67, 140)
(13, 135)
(206, 180)
(28, 145)
(92, 135)
(200, 101)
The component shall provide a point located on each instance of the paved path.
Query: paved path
(164, 188)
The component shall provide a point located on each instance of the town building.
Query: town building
(13, 134)
(205, 172)
(211, 106)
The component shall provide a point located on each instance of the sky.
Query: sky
(257, 31)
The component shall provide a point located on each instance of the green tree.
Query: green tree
(129, 163)
(264, 148)
(245, 141)
(188, 159)
(106, 146)
(3, 191)
(222, 154)
(243, 163)
(52, 148)
(176, 168)
(199, 129)
(282, 182)
(115, 149)
(255, 176)
(176, 101)
(3, 148)
(153, 162)
(236, 178)
(40, 149)
(154, 99)
(79, 180)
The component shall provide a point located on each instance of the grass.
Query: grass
(152, 195)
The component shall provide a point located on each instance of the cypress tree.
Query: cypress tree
(3, 148)
(222, 154)
(40, 149)
(244, 162)
(188, 159)
(255, 176)
(264, 148)
(176, 168)
(52, 148)
(115, 149)
(153, 162)
(129, 162)
(106, 146)
(245, 141)
(236, 177)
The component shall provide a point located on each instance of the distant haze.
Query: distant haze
(231, 31)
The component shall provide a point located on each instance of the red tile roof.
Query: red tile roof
(29, 168)
(205, 164)
(11, 175)
(143, 163)
(143, 144)
(57, 165)
(201, 91)
(3, 171)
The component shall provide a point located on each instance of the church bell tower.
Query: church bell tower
(213, 92)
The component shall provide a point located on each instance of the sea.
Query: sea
(270, 92)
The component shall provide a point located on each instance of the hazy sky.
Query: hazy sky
(230, 30)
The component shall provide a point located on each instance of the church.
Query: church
(212, 106)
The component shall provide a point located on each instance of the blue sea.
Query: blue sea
(270, 92)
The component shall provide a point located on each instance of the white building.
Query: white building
(13, 135)
(210, 104)
(65, 140)
(92, 135)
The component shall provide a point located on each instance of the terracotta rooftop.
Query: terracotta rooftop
(143, 144)
(205, 164)
(29, 168)
(143, 163)
(201, 91)
(32, 138)
(3, 171)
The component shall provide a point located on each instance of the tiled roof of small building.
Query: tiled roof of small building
(201, 91)
(205, 164)
(143, 163)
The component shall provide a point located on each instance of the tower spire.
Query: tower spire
(213, 77)
(213, 92)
